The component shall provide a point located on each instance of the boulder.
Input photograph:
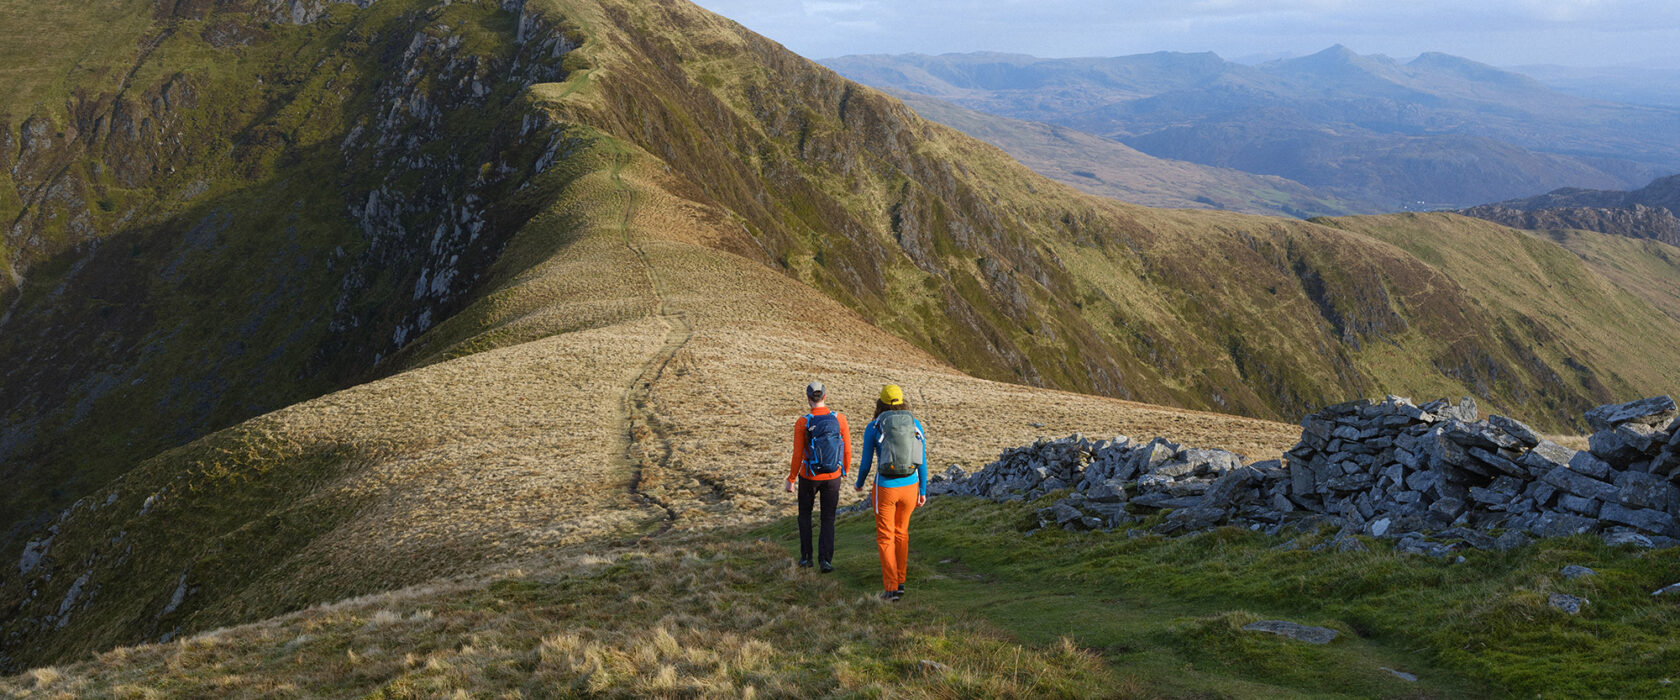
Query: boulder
(1546, 456)
(1618, 446)
(1621, 536)
(1550, 524)
(1567, 603)
(1655, 411)
(1423, 547)
(1293, 630)
(1567, 479)
(1214, 462)
(1579, 504)
(1109, 491)
(1649, 520)
(1512, 539)
(1586, 463)
(1575, 571)
(1516, 429)
(1641, 490)
(1498, 462)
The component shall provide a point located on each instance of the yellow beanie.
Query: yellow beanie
(891, 395)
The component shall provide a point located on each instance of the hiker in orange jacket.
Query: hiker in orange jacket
(895, 439)
(822, 447)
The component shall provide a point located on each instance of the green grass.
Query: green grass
(729, 619)
(1167, 614)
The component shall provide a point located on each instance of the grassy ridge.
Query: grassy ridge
(950, 244)
(990, 612)
(716, 620)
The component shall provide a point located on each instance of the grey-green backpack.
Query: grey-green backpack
(898, 447)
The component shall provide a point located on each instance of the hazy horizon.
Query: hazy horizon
(1575, 33)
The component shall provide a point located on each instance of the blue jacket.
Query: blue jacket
(872, 436)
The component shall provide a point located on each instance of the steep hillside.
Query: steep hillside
(1112, 169)
(231, 213)
(1652, 211)
(1438, 131)
(583, 294)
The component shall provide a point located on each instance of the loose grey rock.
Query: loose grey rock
(1567, 603)
(1567, 479)
(1670, 589)
(1402, 675)
(1655, 411)
(1296, 631)
(1647, 519)
(1511, 540)
(1575, 571)
(1517, 429)
(1621, 537)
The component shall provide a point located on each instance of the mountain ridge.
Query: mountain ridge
(689, 223)
(1427, 119)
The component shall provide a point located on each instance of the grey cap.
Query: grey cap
(815, 390)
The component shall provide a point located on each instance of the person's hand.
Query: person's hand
(789, 488)
(921, 499)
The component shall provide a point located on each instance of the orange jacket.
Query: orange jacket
(799, 441)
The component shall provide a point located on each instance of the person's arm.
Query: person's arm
(868, 454)
(798, 449)
(845, 439)
(921, 469)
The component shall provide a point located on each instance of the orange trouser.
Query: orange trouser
(892, 531)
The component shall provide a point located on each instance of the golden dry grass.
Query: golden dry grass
(727, 620)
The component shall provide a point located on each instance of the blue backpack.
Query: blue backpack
(825, 447)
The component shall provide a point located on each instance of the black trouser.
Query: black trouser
(808, 490)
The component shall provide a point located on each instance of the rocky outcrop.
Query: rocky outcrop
(1636, 221)
(1652, 211)
(1385, 468)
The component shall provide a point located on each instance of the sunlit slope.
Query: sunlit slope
(949, 244)
(657, 398)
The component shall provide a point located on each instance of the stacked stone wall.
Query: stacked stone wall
(1386, 468)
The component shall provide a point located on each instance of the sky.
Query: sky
(1498, 32)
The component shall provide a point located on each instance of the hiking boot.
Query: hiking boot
(889, 596)
(804, 563)
(899, 593)
(826, 567)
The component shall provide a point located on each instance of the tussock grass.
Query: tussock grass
(730, 619)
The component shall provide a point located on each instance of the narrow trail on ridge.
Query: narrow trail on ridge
(646, 448)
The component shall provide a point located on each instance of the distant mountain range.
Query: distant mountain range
(1435, 132)
(1648, 212)
(1108, 168)
(1657, 86)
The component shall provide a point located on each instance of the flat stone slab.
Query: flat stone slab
(1574, 571)
(1654, 411)
(1294, 630)
(1402, 675)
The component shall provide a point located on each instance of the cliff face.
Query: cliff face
(259, 212)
